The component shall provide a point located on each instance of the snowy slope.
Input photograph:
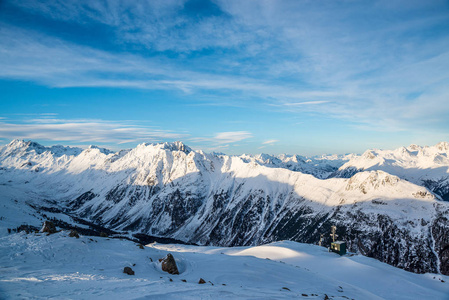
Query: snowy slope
(36, 266)
(427, 166)
(169, 190)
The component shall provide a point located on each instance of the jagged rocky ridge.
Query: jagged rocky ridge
(386, 208)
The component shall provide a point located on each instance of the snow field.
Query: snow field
(37, 266)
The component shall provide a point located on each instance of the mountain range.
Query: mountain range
(392, 205)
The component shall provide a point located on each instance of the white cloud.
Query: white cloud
(111, 133)
(232, 136)
(220, 141)
(82, 131)
(270, 142)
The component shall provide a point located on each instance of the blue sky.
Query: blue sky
(306, 77)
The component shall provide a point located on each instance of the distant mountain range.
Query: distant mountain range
(392, 205)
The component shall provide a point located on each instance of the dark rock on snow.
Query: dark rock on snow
(26, 228)
(74, 233)
(128, 271)
(169, 264)
(48, 227)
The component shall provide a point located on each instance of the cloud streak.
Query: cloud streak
(232, 136)
(84, 131)
(338, 60)
(109, 133)
(270, 142)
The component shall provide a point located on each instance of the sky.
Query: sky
(298, 77)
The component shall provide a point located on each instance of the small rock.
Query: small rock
(128, 271)
(141, 246)
(169, 264)
(202, 281)
(183, 280)
(171, 279)
(304, 295)
(326, 297)
(286, 288)
(48, 227)
(74, 233)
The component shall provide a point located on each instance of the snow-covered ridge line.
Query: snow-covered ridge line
(320, 166)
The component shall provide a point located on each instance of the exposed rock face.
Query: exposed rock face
(48, 227)
(169, 264)
(201, 281)
(128, 270)
(74, 233)
(439, 187)
(440, 239)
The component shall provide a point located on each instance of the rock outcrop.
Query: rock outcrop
(168, 264)
(48, 227)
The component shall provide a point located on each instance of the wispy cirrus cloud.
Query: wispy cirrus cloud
(110, 133)
(221, 138)
(376, 65)
(232, 136)
(84, 131)
(29, 55)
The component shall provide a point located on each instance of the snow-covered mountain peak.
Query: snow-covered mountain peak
(17, 143)
(369, 154)
(373, 179)
(442, 146)
(19, 147)
(414, 147)
(101, 150)
(402, 151)
(171, 146)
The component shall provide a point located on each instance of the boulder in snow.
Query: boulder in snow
(169, 264)
(48, 227)
(74, 233)
(128, 271)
